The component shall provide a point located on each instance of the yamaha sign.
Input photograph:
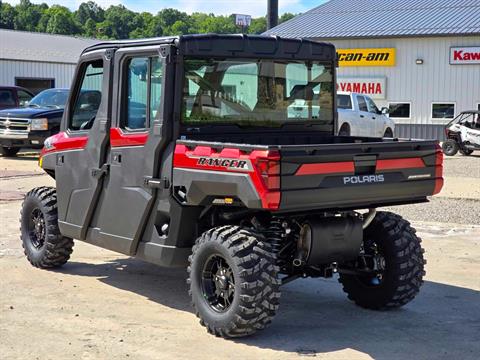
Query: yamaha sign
(465, 55)
(375, 87)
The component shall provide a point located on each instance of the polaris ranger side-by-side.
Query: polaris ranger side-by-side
(192, 160)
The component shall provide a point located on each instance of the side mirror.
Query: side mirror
(384, 110)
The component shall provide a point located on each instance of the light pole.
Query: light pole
(272, 14)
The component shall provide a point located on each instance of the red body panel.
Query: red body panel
(348, 167)
(118, 138)
(63, 142)
(326, 168)
(263, 182)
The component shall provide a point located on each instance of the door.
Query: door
(137, 137)
(378, 123)
(365, 126)
(78, 169)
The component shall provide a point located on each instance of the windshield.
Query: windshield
(53, 98)
(257, 92)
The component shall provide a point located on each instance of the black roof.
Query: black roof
(234, 45)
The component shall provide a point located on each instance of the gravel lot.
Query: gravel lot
(463, 166)
(462, 206)
(102, 305)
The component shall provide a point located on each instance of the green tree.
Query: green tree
(90, 29)
(119, 22)
(89, 10)
(258, 25)
(7, 16)
(61, 21)
(286, 17)
(28, 15)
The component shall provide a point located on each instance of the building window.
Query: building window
(443, 110)
(35, 85)
(399, 110)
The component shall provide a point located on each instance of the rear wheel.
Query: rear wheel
(344, 130)
(234, 281)
(392, 263)
(450, 147)
(8, 151)
(466, 152)
(42, 242)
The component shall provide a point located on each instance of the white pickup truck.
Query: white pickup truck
(359, 116)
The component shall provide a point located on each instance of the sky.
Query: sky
(219, 7)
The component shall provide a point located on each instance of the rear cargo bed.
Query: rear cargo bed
(343, 173)
(367, 174)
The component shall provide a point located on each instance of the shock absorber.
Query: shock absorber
(276, 235)
(280, 235)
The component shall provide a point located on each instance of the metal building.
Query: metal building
(38, 61)
(420, 58)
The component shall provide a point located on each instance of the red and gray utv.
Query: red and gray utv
(190, 159)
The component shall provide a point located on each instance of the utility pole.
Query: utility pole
(272, 14)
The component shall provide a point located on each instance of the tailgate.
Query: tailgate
(354, 175)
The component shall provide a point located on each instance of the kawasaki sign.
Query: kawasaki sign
(465, 55)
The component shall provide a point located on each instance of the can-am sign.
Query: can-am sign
(465, 55)
(366, 57)
(374, 87)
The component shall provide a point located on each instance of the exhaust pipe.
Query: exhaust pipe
(369, 218)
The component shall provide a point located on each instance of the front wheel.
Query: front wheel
(450, 147)
(42, 242)
(390, 267)
(9, 151)
(234, 282)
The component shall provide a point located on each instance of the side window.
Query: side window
(371, 106)
(88, 98)
(137, 87)
(362, 104)
(6, 98)
(156, 79)
(23, 97)
(143, 92)
(344, 101)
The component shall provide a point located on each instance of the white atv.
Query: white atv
(463, 134)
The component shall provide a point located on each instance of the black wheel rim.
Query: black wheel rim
(218, 283)
(372, 260)
(448, 148)
(36, 228)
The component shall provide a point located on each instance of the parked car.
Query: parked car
(14, 96)
(29, 126)
(463, 134)
(359, 116)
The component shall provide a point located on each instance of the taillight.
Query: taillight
(438, 169)
(268, 169)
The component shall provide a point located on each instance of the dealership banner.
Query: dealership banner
(374, 87)
(465, 55)
(366, 57)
